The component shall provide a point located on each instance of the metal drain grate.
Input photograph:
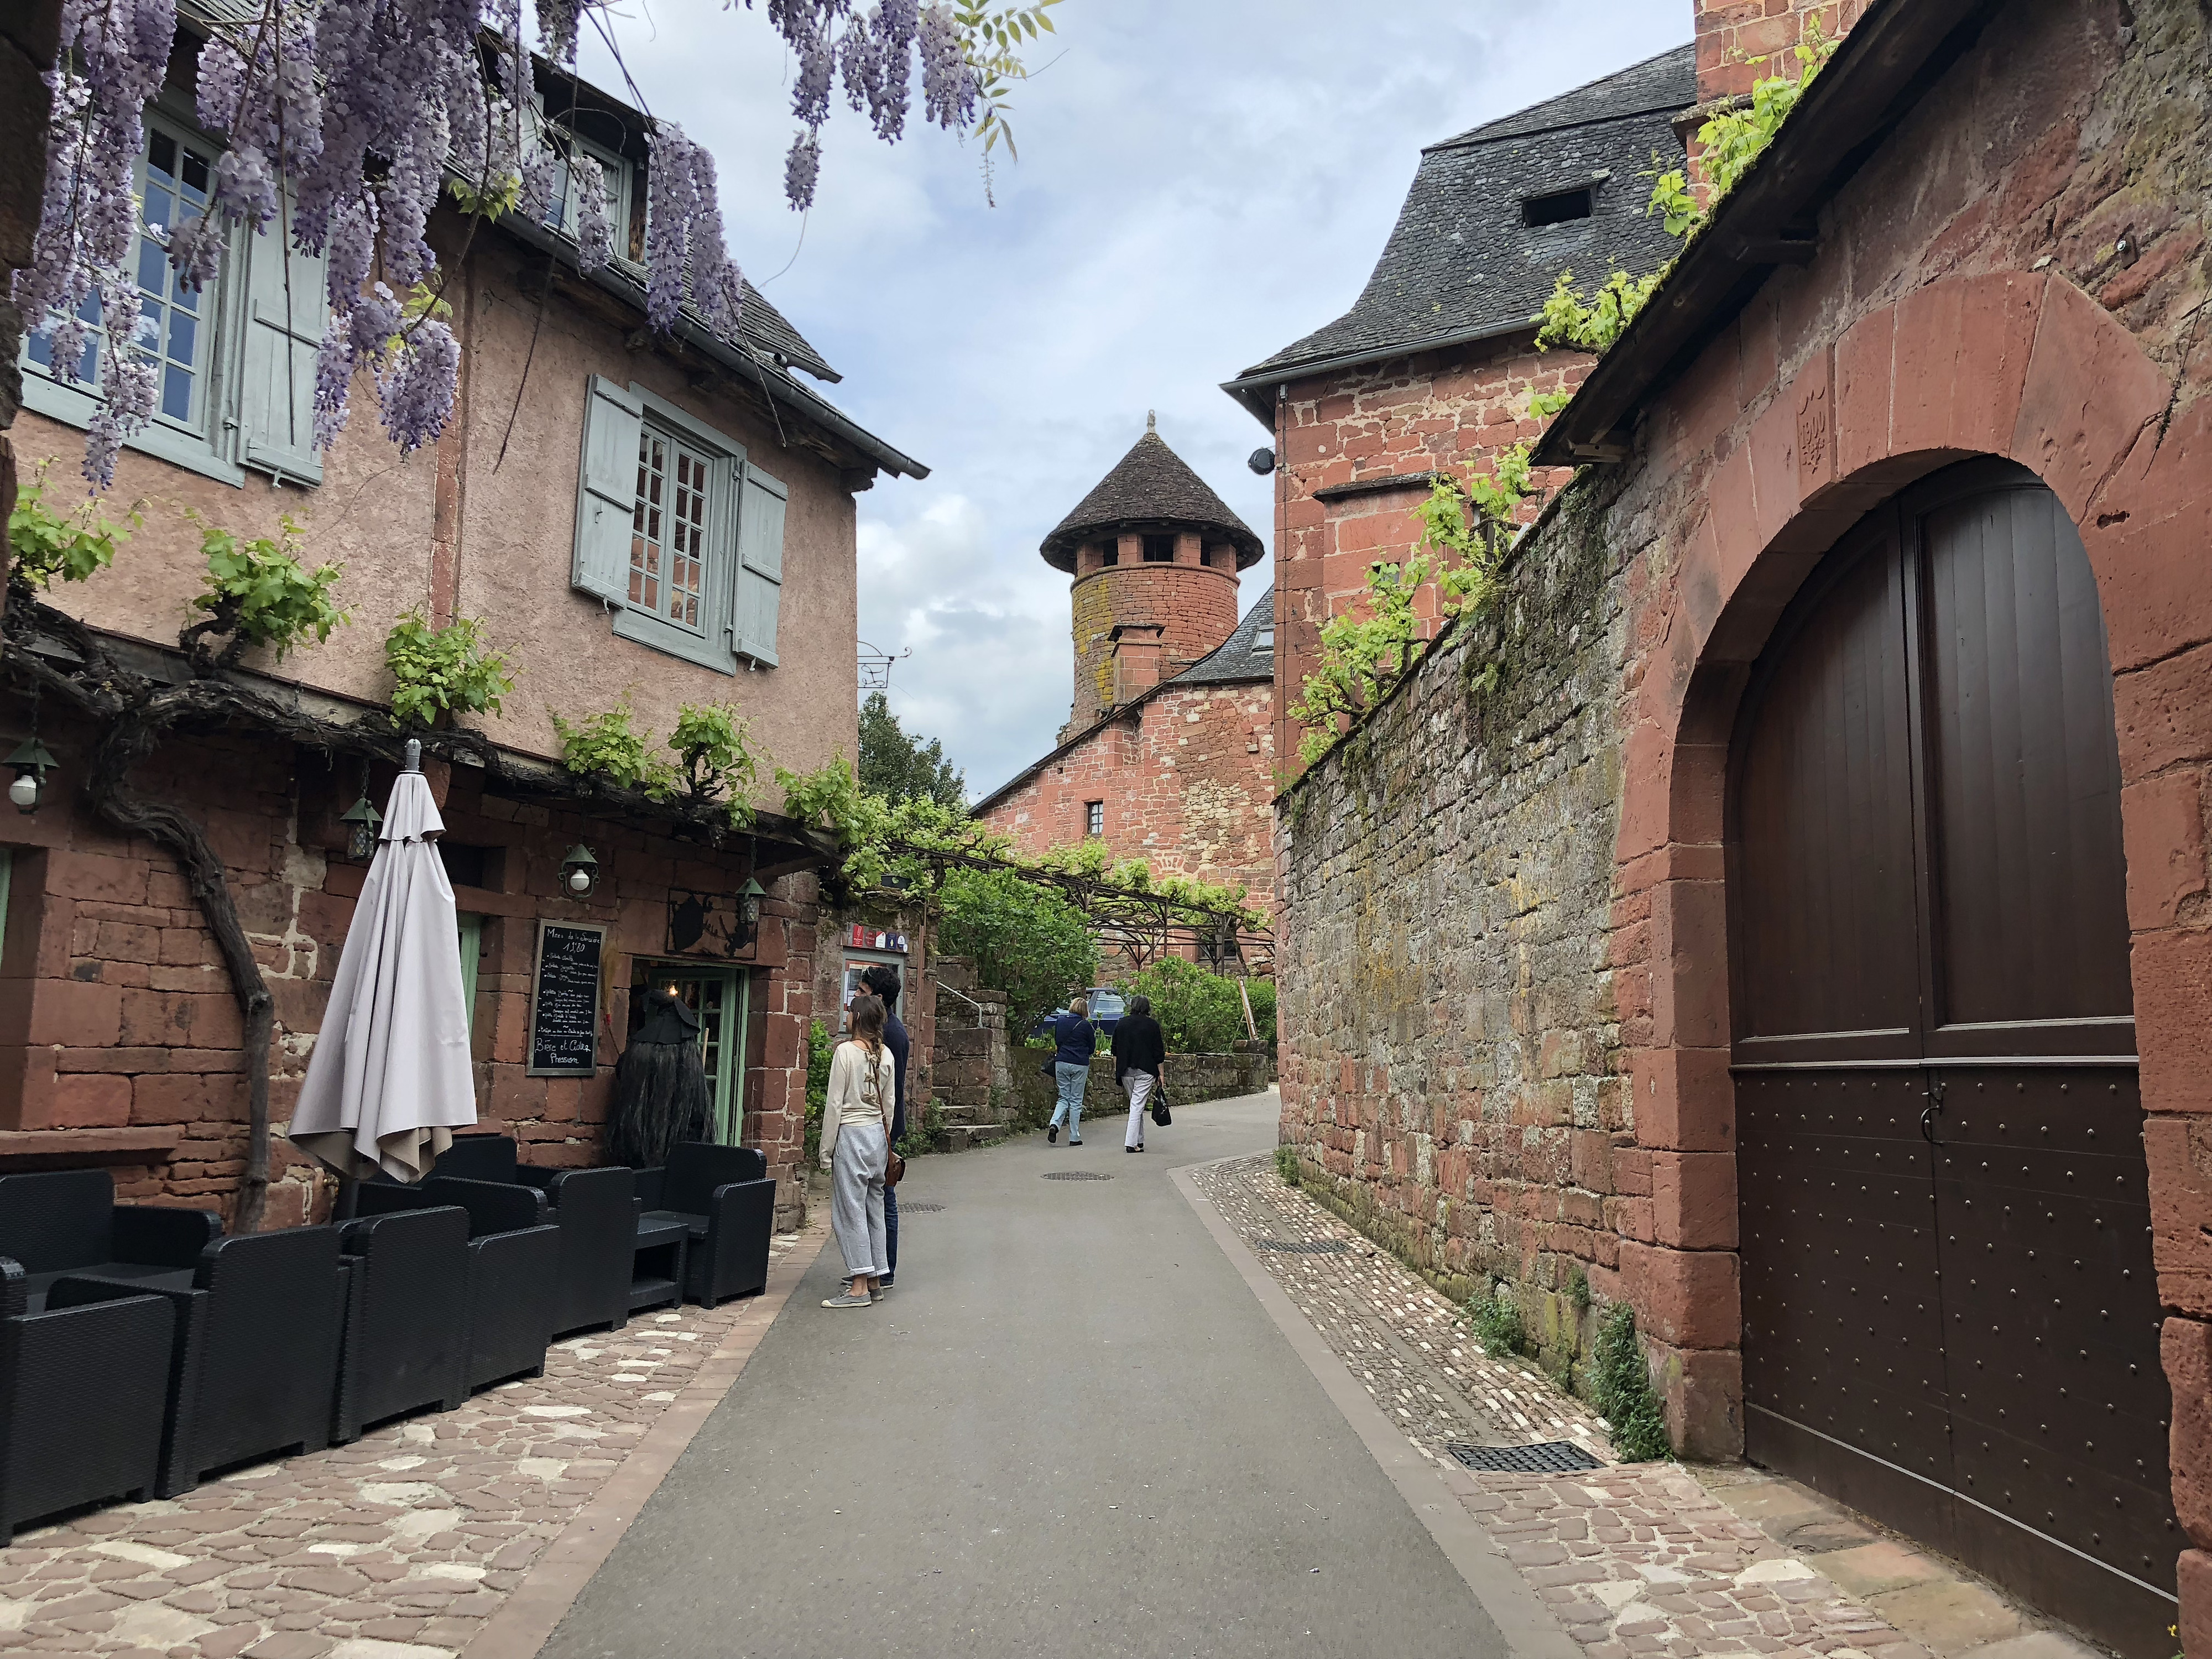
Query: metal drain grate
(1304, 1246)
(917, 1207)
(1546, 1457)
(1077, 1175)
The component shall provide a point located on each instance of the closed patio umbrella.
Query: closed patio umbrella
(388, 1080)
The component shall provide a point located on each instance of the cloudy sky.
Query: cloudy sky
(1201, 182)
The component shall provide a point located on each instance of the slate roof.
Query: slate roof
(1149, 485)
(1460, 264)
(1241, 656)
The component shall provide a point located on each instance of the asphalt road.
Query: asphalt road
(1071, 1430)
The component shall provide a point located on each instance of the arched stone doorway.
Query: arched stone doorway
(1950, 1318)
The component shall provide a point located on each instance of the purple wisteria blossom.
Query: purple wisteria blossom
(343, 120)
(416, 387)
(114, 54)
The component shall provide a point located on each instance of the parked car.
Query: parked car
(1107, 1007)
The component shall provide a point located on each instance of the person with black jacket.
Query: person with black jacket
(1141, 1054)
(883, 979)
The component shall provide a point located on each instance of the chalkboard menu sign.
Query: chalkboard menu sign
(564, 1000)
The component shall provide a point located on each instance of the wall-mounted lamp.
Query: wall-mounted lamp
(579, 872)
(749, 900)
(1262, 461)
(32, 760)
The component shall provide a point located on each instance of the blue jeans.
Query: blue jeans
(1070, 1079)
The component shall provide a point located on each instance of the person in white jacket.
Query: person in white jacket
(856, 1148)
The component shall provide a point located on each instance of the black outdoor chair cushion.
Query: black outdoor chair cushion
(59, 1221)
(406, 1342)
(254, 1370)
(724, 1196)
(84, 1389)
(514, 1268)
(596, 1212)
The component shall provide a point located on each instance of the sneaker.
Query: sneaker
(1075, 1140)
(849, 1300)
(1052, 1134)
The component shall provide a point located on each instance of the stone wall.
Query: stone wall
(1187, 779)
(1449, 1057)
(974, 1084)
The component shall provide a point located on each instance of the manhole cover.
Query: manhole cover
(913, 1206)
(1076, 1175)
(1546, 1457)
(1305, 1246)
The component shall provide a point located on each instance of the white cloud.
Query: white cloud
(1201, 182)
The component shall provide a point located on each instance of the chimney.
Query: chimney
(1743, 41)
(1137, 652)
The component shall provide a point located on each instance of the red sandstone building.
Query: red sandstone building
(1433, 368)
(1169, 752)
(1828, 967)
(663, 520)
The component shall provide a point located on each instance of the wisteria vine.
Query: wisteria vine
(343, 120)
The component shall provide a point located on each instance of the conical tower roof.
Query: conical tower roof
(1150, 488)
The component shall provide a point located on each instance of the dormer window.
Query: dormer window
(1557, 208)
(1264, 639)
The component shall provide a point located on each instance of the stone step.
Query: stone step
(976, 1113)
(965, 1137)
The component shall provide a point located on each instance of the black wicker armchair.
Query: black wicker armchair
(254, 1369)
(513, 1267)
(723, 1195)
(595, 1211)
(407, 1316)
(83, 1384)
(67, 1221)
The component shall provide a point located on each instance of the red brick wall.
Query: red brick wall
(1193, 604)
(117, 1018)
(1441, 410)
(1743, 41)
(1187, 780)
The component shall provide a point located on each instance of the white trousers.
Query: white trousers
(1140, 1085)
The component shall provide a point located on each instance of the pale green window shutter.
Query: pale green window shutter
(606, 494)
(284, 313)
(471, 931)
(759, 564)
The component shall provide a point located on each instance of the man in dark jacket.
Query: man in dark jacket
(1141, 1054)
(883, 979)
(1074, 1040)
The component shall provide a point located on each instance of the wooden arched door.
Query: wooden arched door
(1950, 1320)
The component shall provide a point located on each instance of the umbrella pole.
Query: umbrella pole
(348, 1198)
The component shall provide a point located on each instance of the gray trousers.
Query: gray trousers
(856, 1198)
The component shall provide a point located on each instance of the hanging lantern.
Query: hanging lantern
(579, 872)
(32, 760)
(362, 820)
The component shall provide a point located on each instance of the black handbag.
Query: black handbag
(1161, 1115)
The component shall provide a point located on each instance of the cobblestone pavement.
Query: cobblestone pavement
(1632, 1559)
(397, 1546)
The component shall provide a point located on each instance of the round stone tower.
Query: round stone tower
(1155, 555)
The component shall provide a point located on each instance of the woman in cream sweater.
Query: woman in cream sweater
(856, 1147)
